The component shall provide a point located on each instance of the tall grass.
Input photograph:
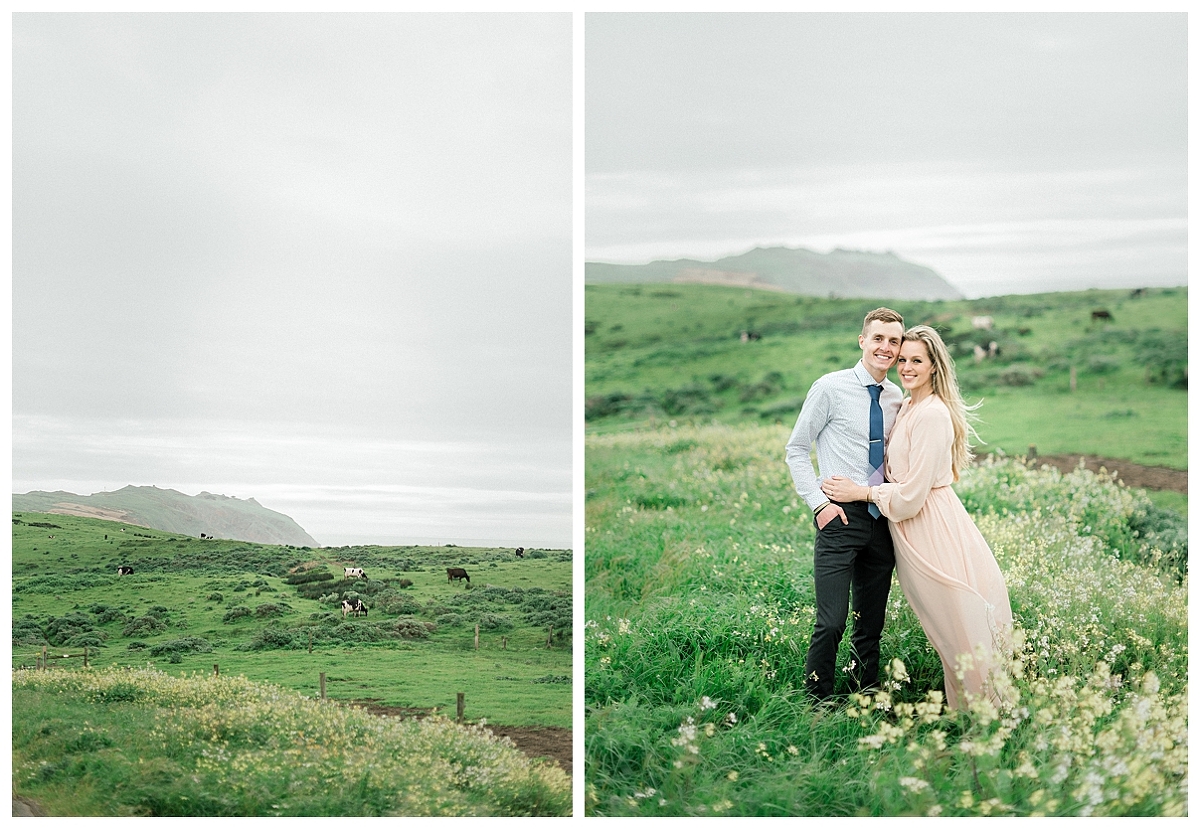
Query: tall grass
(141, 742)
(700, 606)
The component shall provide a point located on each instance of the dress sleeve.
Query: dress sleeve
(929, 449)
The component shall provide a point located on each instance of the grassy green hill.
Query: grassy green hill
(252, 608)
(674, 352)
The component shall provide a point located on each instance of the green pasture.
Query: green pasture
(656, 353)
(414, 648)
(699, 608)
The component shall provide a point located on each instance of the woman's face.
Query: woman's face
(914, 366)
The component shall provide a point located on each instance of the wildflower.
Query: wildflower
(732, 776)
(731, 718)
(792, 750)
(706, 704)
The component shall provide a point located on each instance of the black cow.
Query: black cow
(520, 552)
(1101, 314)
(453, 573)
(354, 606)
(124, 570)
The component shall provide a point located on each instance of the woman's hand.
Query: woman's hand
(843, 490)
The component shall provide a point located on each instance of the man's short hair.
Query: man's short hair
(882, 315)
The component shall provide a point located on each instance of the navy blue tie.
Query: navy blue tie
(875, 452)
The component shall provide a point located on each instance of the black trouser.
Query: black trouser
(855, 557)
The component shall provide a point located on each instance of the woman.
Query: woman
(945, 567)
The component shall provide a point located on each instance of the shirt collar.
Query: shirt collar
(864, 376)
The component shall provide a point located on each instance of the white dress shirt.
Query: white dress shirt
(836, 416)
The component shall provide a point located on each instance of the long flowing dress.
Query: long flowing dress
(944, 565)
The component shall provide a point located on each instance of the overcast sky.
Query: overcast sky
(1011, 153)
(321, 261)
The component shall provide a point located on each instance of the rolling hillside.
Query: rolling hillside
(840, 273)
(165, 509)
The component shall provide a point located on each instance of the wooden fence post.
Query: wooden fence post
(461, 705)
(477, 637)
(322, 685)
(85, 654)
(216, 669)
(550, 636)
(1032, 454)
(503, 643)
(45, 664)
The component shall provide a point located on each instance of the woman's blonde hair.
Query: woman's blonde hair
(944, 383)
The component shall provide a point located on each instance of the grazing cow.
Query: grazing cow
(1137, 292)
(520, 552)
(355, 573)
(453, 573)
(354, 606)
(124, 570)
(982, 323)
(979, 354)
(1101, 314)
(747, 336)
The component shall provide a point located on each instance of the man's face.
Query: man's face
(881, 345)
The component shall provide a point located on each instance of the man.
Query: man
(849, 414)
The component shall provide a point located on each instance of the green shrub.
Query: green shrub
(1164, 354)
(27, 631)
(144, 626)
(185, 644)
(405, 583)
(235, 613)
(494, 621)
(94, 639)
(105, 614)
(1103, 364)
(409, 628)
(59, 629)
(215, 597)
(270, 609)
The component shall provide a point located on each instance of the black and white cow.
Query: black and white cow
(520, 552)
(455, 573)
(354, 606)
(124, 570)
(355, 573)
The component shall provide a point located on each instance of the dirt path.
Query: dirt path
(535, 741)
(1133, 474)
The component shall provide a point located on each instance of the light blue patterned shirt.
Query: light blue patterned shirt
(836, 416)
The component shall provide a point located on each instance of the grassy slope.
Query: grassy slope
(75, 570)
(650, 339)
(143, 742)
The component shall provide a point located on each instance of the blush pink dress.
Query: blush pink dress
(943, 563)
